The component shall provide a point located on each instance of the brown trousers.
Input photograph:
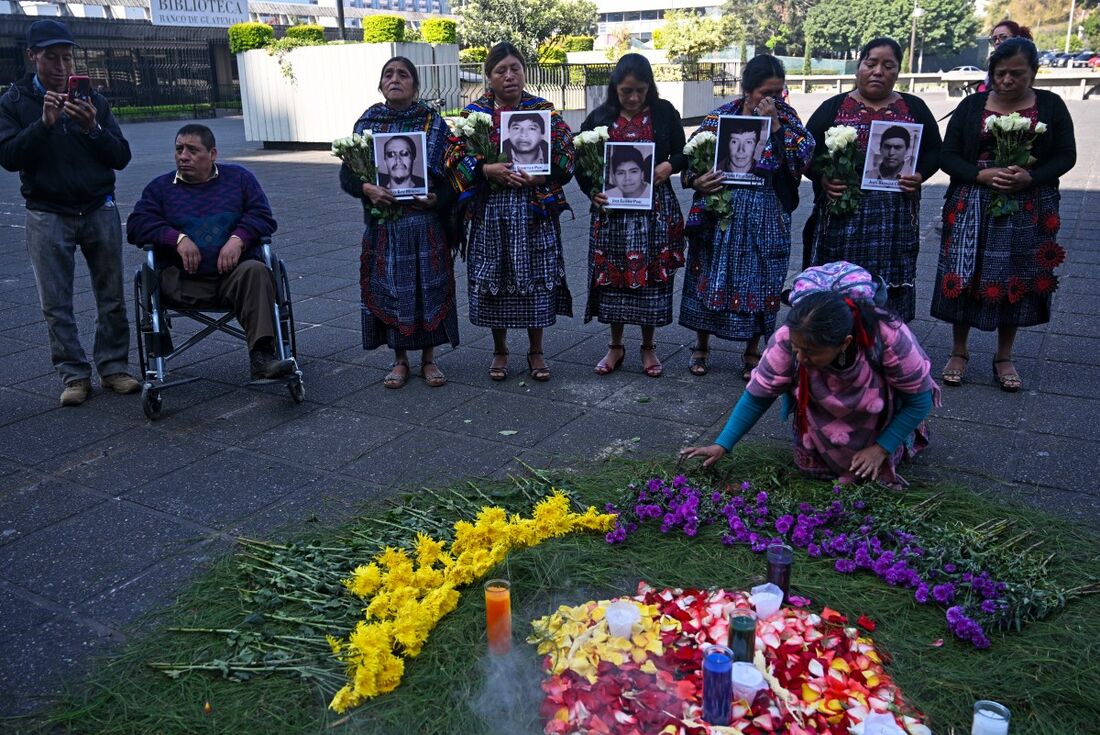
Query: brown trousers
(248, 290)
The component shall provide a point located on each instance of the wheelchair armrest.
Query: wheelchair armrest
(148, 247)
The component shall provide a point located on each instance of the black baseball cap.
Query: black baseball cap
(43, 33)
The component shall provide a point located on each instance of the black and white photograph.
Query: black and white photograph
(628, 175)
(891, 153)
(525, 140)
(741, 141)
(402, 166)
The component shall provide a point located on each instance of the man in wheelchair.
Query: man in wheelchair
(206, 222)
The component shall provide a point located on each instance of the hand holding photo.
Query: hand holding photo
(892, 149)
(525, 140)
(402, 166)
(741, 141)
(628, 176)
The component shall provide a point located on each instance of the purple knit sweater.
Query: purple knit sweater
(209, 213)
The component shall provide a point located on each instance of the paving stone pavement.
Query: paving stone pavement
(104, 516)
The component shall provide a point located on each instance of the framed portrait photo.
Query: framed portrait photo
(402, 164)
(741, 141)
(628, 175)
(892, 149)
(525, 140)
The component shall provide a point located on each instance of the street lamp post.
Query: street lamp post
(918, 11)
(1069, 25)
(340, 18)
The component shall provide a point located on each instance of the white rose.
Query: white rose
(1040, 128)
(990, 123)
(601, 133)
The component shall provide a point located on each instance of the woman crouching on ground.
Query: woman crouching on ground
(852, 373)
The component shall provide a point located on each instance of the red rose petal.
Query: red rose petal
(866, 623)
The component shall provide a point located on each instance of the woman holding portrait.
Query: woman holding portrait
(736, 267)
(996, 266)
(406, 273)
(515, 265)
(633, 255)
(883, 234)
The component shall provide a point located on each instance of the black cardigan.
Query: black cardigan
(1055, 150)
(668, 135)
(928, 159)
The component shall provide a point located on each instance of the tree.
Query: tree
(620, 43)
(1092, 29)
(842, 26)
(688, 37)
(776, 24)
(525, 23)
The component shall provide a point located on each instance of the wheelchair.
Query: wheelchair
(153, 313)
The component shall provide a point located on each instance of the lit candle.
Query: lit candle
(717, 685)
(498, 615)
(990, 718)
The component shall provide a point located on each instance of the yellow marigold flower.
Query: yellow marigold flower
(428, 550)
(344, 699)
(364, 580)
(334, 643)
(491, 515)
(392, 557)
(427, 578)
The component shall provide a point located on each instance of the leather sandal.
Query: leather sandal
(750, 360)
(541, 374)
(653, 371)
(433, 381)
(954, 377)
(498, 373)
(397, 379)
(698, 365)
(1010, 382)
(602, 368)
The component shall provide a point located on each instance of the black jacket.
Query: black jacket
(824, 117)
(1055, 150)
(668, 134)
(63, 169)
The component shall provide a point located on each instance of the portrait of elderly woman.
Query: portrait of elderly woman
(741, 141)
(629, 175)
(401, 168)
(525, 139)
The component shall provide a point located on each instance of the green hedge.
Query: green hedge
(551, 53)
(578, 43)
(473, 55)
(248, 36)
(383, 29)
(439, 30)
(312, 32)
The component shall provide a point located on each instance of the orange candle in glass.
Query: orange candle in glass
(498, 615)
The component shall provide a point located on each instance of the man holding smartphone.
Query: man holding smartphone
(66, 148)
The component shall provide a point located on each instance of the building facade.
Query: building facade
(642, 17)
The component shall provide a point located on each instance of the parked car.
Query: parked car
(1061, 61)
(1046, 57)
(1094, 62)
(965, 69)
(1081, 60)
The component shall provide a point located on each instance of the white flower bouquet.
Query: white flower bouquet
(1013, 136)
(589, 145)
(843, 162)
(700, 153)
(475, 130)
(357, 151)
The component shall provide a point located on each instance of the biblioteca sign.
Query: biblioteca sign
(210, 13)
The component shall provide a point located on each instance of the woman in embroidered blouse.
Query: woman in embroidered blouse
(515, 266)
(855, 378)
(406, 272)
(633, 255)
(736, 267)
(996, 271)
(883, 234)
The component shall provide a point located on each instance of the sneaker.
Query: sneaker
(76, 392)
(120, 383)
(265, 365)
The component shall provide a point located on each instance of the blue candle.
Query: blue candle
(717, 685)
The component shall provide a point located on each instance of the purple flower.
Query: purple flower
(845, 566)
(943, 593)
(950, 568)
(989, 607)
(610, 508)
(921, 594)
(728, 540)
(746, 486)
(761, 497)
(783, 523)
(813, 550)
(616, 536)
(716, 497)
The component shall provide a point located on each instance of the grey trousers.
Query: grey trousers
(52, 240)
(248, 290)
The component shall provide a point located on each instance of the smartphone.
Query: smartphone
(80, 88)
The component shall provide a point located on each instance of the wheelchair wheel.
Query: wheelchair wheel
(139, 321)
(151, 401)
(297, 390)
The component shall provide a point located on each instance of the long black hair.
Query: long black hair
(1014, 47)
(759, 70)
(630, 65)
(499, 53)
(874, 43)
(825, 318)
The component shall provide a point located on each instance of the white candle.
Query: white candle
(987, 722)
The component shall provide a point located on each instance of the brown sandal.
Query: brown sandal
(602, 368)
(498, 373)
(955, 377)
(698, 365)
(653, 371)
(1010, 382)
(541, 374)
(433, 381)
(395, 379)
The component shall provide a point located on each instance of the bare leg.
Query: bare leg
(615, 351)
(651, 365)
(535, 359)
(699, 353)
(1003, 366)
(960, 353)
(399, 374)
(429, 370)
